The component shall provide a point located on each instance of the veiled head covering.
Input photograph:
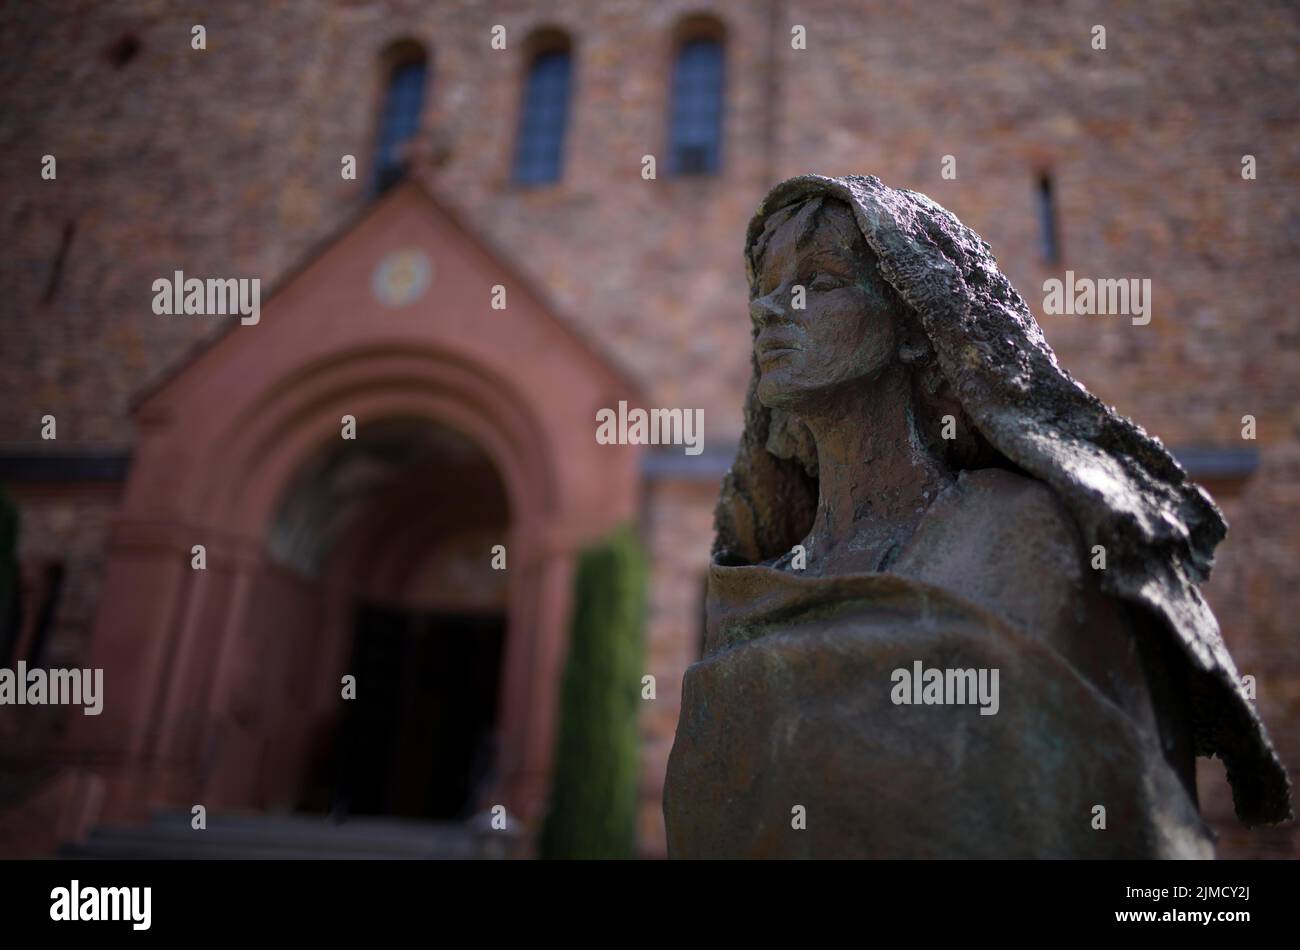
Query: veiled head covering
(1123, 489)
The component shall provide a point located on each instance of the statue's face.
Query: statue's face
(846, 330)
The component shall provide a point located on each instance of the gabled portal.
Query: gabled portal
(223, 684)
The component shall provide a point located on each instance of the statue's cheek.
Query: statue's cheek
(847, 340)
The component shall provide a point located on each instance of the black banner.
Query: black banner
(336, 899)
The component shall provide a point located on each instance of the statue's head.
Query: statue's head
(826, 321)
(823, 317)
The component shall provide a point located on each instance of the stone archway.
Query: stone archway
(381, 571)
(190, 656)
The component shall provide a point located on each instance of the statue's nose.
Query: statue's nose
(763, 310)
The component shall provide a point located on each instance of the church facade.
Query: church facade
(475, 229)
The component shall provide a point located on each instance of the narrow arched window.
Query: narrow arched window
(403, 105)
(544, 116)
(1049, 229)
(695, 122)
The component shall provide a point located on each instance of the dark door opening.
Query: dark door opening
(417, 741)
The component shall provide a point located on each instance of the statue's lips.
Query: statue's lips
(769, 347)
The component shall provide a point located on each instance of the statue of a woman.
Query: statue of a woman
(952, 608)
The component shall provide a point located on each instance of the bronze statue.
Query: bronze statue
(953, 606)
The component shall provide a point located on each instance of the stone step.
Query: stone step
(163, 851)
(368, 834)
(169, 835)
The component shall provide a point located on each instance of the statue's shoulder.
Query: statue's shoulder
(1006, 542)
(1009, 511)
(1003, 540)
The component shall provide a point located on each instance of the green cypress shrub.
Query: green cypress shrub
(592, 812)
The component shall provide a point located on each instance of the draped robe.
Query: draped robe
(792, 706)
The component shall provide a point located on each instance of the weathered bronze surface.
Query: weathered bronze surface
(920, 486)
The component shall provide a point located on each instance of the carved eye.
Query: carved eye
(824, 282)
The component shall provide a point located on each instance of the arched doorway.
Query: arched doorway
(394, 531)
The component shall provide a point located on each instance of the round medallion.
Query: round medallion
(402, 277)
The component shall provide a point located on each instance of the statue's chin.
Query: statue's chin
(807, 391)
(775, 392)
(778, 393)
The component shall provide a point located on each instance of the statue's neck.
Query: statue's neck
(876, 477)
